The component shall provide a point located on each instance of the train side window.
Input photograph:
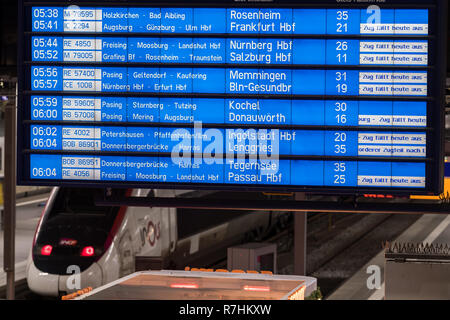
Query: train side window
(209, 218)
(151, 193)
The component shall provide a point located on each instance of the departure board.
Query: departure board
(319, 96)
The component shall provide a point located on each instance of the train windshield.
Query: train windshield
(81, 201)
(75, 230)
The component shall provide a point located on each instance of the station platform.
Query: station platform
(24, 191)
(28, 213)
(428, 229)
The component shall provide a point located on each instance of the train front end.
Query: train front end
(71, 239)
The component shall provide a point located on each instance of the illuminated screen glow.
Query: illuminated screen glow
(325, 97)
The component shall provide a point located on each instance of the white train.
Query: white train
(77, 241)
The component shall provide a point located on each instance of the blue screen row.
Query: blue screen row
(239, 111)
(233, 141)
(230, 80)
(230, 21)
(229, 171)
(235, 51)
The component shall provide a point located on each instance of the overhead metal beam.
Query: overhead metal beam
(279, 205)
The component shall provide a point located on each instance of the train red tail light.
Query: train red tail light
(184, 285)
(46, 250)
(87, 251)
(257, 288)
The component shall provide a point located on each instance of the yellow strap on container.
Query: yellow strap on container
(266, 272)
(76, 294)
(238, 271)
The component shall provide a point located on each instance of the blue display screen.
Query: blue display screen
(275, 98)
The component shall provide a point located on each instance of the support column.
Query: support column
(300, 238)
(9, 195)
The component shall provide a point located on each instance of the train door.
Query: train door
(173, 232)
(168, 225)
(125, 250)
(129, 242)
